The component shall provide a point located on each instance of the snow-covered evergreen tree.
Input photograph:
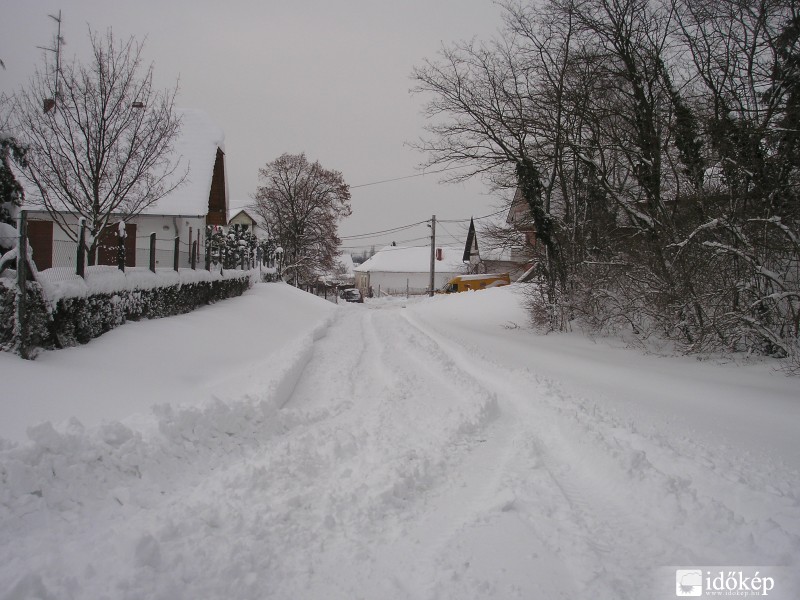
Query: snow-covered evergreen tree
(240, 247)
(11, 192)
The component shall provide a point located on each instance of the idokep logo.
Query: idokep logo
(688, 582)
(737, 581)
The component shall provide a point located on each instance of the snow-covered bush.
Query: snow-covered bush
(78, 319)
(37, 330)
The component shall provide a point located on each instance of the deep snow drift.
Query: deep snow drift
(432, 449)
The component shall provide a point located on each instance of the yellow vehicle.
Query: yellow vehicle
(464, 283)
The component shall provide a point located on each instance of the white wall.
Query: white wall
(395, 283)
(243, 219)
(165, 228)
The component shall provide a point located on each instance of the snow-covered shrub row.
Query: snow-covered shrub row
(78, 320)
(37, 331)
(74, 319)
(7, 309)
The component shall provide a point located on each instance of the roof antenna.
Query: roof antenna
(49, 103)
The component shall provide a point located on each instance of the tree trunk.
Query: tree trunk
(530, 185)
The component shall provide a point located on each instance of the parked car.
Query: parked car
(351, 295)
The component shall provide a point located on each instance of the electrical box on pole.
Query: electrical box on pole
(433, 254)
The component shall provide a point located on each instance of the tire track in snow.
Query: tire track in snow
(536, 476)
(598, 537)
(464, 484)
(474, 497)
(411, 432)
(397, 461)
(637, 500)
(344, 475)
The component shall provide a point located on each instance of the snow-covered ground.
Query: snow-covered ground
(427, 449)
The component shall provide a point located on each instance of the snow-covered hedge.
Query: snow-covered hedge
(38, 332)
(72, 319)
(78, 320)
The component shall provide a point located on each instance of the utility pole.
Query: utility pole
(433, 252)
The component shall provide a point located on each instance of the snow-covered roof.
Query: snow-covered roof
(245, 212)
(196, 147)
(396, 259)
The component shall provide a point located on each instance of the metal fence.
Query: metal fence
(67, 261)
(60, 259)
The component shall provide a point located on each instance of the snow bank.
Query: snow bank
(739, 401)
(232, 347)
(432, 448)
(215, 379)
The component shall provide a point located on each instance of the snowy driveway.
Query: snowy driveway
(400, 456)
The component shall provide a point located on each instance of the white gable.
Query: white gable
(396, 259)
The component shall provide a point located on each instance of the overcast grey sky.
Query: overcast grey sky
(330, 79)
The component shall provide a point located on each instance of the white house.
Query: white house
(245, 217)
(202, 200)
(395, 269)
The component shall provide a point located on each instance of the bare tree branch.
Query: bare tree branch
(105, 147)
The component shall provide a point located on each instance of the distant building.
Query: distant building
(514, 261)
(243, 217)
(394, 269)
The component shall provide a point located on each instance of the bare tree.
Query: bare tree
(99, 138)
(301, 204)
(486, 116)
(746, 60)
(656, 145)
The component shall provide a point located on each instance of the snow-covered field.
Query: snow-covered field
(430, 449)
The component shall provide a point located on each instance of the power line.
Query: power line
(402, 227)
(441, 224)
(383, 232)
(398, 242)
(502, 210)
(416, 239)
(352, 187)
(361, 185)
(399, 248)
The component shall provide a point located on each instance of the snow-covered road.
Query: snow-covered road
(398, 452)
